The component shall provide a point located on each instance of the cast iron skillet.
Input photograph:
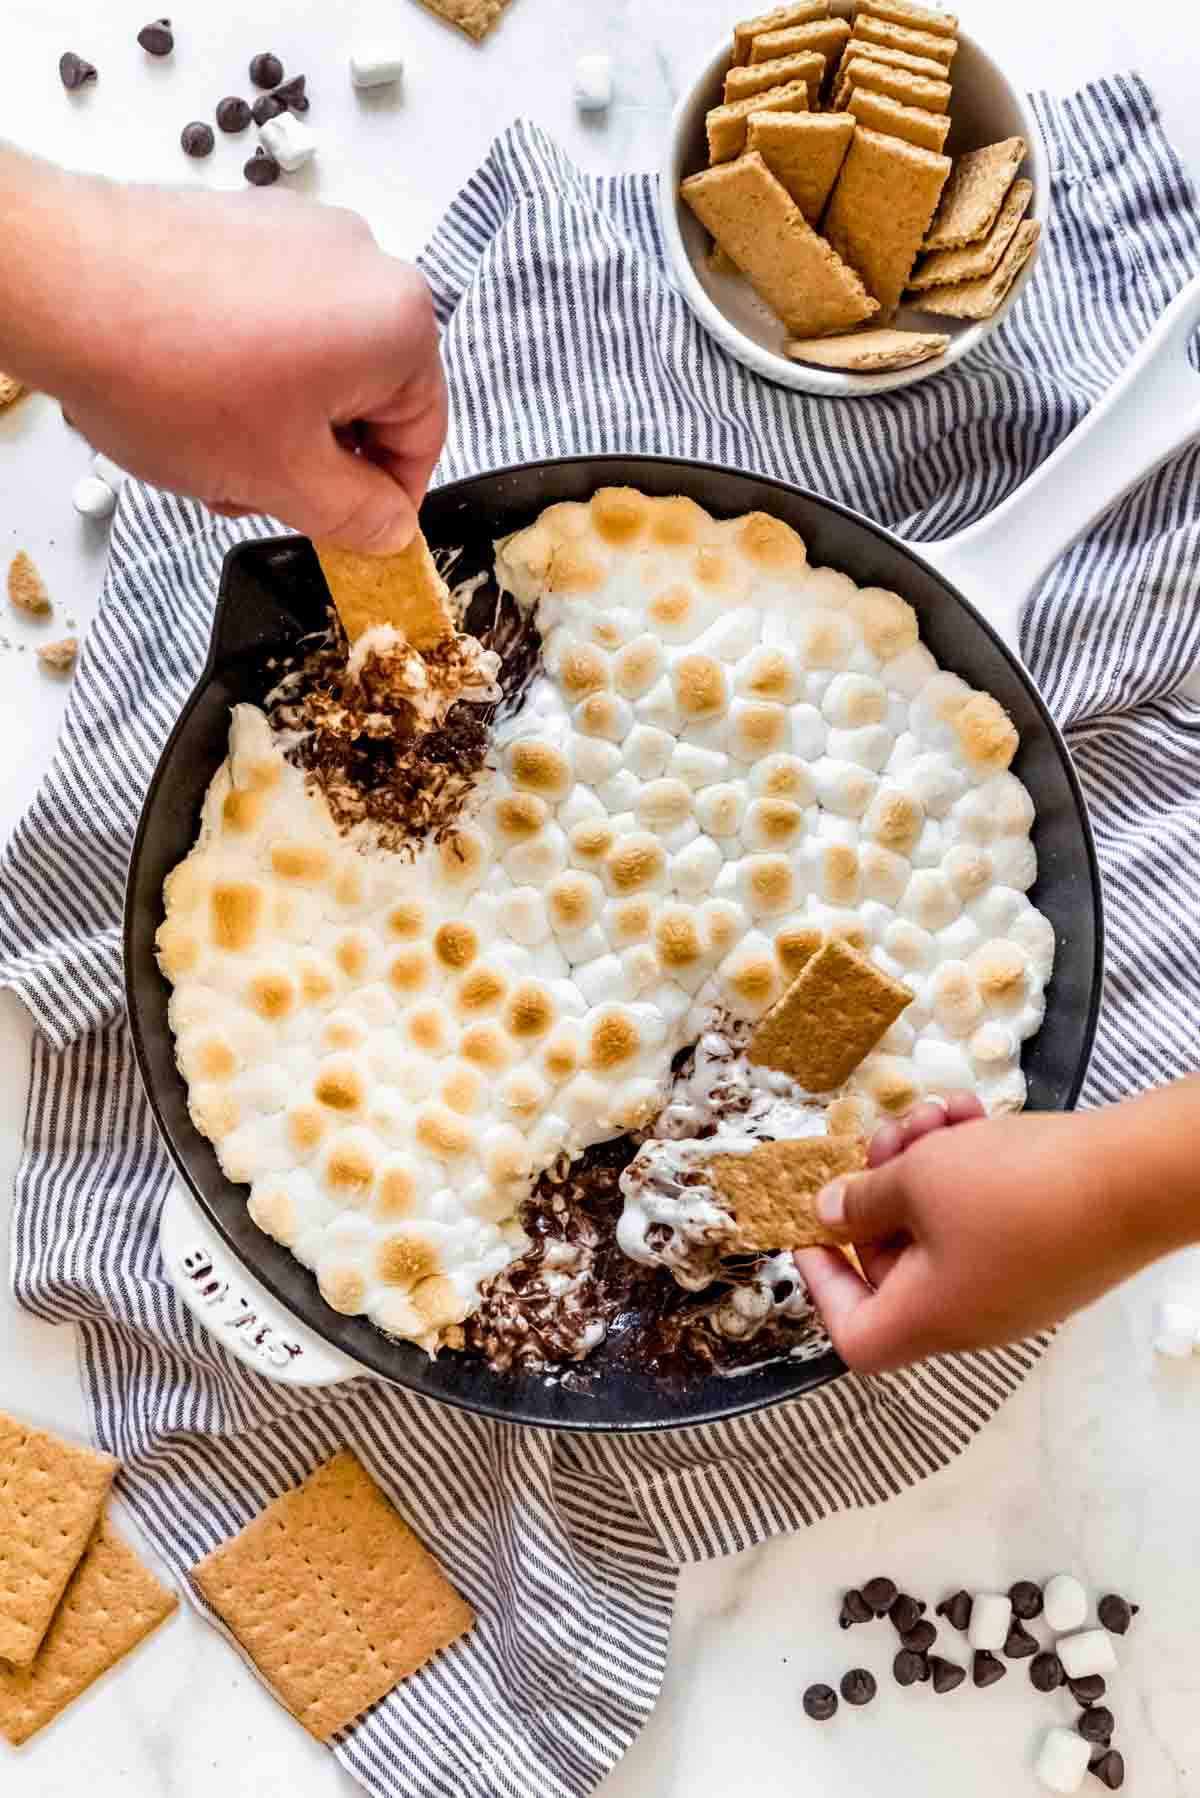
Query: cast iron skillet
(272, 591)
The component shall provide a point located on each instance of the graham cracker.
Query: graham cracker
(721, 262)
(112, 1602)
(332, 1596)
(901, 85)
(974, 194)
(808, 66)
(895, 59)
(770, 1193)
(906, 12)
(51, 1493)
(898, 37)
(797, 14)
(26, 588)
(405, 591)
(870, 352)
(804, 151)
(830, 1018)
(756, 221)
(475, 17)
(828, 37)
(979, 299)
(928, 130)
(726, 125)
(880, 210)
(10, 389)
(975, 260)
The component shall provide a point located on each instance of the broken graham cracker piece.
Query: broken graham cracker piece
(26, 588)
(980, 299)
(332, 1596)
(828, 37)
(928, 130)
(405, 591)
(897, 37)
(744, 83)
(51, 1494)
(900, 85)
(831, 1017)
(770, 1192)
(905, 12)
(10, 390)
(59, 657)
(726, 126)
(974, 194)
(756, 221)
(871, 352)
(804, 151)
(112, 1603)
(880, 210)
(975, 260)
(800, 13)
(475, 17)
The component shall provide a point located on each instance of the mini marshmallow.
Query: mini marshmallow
(593, 83)
(93, 498)
(376, 65)
(1089, 1652)
(991, 1615)
(1176, 1329)
(289, 140)
(1065, 1603)
(105, 469)
(1063, 1762)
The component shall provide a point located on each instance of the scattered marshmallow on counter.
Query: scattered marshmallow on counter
(991, 1616)
(1066, 1603)
(93, 498)
(1176, 1329)
(1063, 1762)
(1087, 1653)
(376, 65)
(105, 469)
(594, 83)
(289, 141)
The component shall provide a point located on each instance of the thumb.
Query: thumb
(348, 499)
(865, 1208)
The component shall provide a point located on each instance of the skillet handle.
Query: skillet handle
(1151, 410)
(247, 1322)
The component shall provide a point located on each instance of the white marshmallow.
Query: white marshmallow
(107, 470)
(289, 140)
(376, 65)
(1063, 1762)
(593, 83)
(1065, 1603)
(1176, 1329)
(991, 1615)
(93, 498)
(1089, 1652)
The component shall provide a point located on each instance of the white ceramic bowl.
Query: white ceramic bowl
(985, 108)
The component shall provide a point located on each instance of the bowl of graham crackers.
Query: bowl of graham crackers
(852, 194)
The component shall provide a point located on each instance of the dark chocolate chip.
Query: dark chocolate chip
(909, 1668)
(1088, 1691)
(1096, 1725)
(956, 1610)
(1027, 1600)
(987, 1669)
(266, 70)
(266, 107)
(1046, 1671)
(880, 1594)
(74, 72)
(921, 1637)
(261, 170)
(197, 138)
(905, 1611)
(233, 114)
(292, 94)
(855, 1609)
(1116, 1613)
(947, 1675)
(820, 1702)
(1109, 1769)
(1019, 1644)
(157, 38)
(858, 1686)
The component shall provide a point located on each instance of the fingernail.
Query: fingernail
(831, 1204)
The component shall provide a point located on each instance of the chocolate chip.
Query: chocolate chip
(261, 170)
(1116, 1613)
(908, 1668)
(1027, 1600)
(880, 1594)
(1019, 1644)
(266, 70)
(855, 1609)
(233, 114)
(197, 138)
(1088, 1691)
(292, 94)
(820, 1702)
(858, 1686)
(266, 107)
(157, 38)
(1046, 1671)
(947, 1675)
(1096, 1725)
(987, 1669)
(74, 72)
(956, 1610)
(921, 1637)
(905, 1612)
(1109, 1769)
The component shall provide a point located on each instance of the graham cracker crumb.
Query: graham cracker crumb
(26, 588)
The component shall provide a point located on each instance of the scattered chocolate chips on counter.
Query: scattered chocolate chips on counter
(265, 108)
(987, 1668)
(1089, 1690)
(75, 72)
(921, 1637)
(1046, 1671)
(1096, 1725)
(855, 1609)
(261, 170)
(905, 1612)
(1109, 1769)
(908, 1668)
(947, 1675)
(957, 1610)
(1116, 1613)
(233, 114)
(858, 1686)
(1027, 1600)
(820, 1703)
(266, 70)
(1019, 1644)
(880, 1594)
(291, 94)
(197, 138)
(157, 38)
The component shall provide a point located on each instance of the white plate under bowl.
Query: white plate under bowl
(985, 108)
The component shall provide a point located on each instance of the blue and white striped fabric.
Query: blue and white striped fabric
(563, 333)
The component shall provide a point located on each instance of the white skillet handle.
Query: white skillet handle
(247, 1322)
(1151, 410)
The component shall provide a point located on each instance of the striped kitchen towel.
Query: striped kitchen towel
(563, 333)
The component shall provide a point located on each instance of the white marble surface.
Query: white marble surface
(1094, 1467)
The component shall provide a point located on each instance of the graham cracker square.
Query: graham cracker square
(111, 1602)
(928, 130)
(928, 93)
(892, 59)
(974, 194)
(826, 36)
(880, 210)
(979, 299)
(759, 78)
(830, 1018)
(474, 17)
(405, 591)
(804, 151)
(51, 1494)
(899, 37)
(907, 13)
(770, 1192)
(975, 260)
(870, 352)
(799, 13)
(726, 126)
(332, 1596)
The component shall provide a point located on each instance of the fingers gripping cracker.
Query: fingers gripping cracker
(830, 1018)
